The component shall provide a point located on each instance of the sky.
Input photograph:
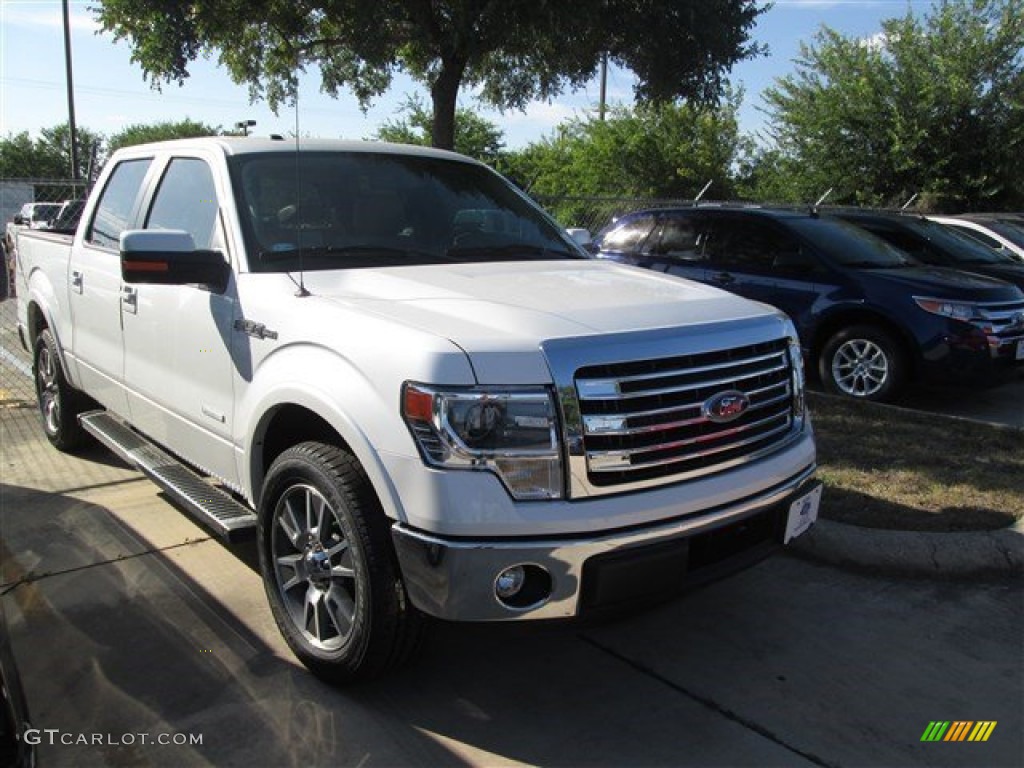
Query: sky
(111, 92)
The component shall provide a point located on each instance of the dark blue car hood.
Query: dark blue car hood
(943, 283)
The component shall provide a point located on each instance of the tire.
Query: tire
(864, 362)
(59, 403)
(332, 579)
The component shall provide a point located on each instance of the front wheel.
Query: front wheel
(329, 569)
(59, 403)
(864, 362)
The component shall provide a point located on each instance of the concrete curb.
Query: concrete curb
(970, 555)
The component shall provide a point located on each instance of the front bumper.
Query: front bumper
(455, 579)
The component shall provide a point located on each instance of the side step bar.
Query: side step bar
(209, 505)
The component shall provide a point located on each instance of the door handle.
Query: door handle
(77, 281)
(130, 299)
(723, 277)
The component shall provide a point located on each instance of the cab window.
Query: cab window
(117, 203)
(187, 200)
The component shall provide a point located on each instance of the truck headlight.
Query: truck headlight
(510, 432)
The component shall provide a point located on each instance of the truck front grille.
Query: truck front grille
(649, 419)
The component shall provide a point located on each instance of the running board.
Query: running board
(207, 504)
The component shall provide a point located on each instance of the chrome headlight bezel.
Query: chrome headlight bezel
(512, 432)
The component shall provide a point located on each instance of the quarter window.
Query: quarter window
(113, 213)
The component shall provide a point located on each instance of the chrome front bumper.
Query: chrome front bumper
(454, 579)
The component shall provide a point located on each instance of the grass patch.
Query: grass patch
(888, 467)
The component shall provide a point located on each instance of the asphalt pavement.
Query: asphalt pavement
(133, 627)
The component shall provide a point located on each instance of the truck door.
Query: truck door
(95, 287)
(177, 339)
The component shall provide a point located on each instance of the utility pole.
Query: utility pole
(72, 128)
(604, 85)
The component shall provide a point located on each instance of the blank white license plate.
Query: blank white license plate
(802, 514)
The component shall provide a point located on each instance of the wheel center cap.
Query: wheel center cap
(318, 564)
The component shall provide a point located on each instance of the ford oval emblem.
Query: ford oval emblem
(725, 406)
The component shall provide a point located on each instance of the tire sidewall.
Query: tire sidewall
(290, 470)
(894, 357)
(69, 433)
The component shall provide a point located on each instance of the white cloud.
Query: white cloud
(877, 42)
(47, 14)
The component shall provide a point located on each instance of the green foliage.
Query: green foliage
(933, 105)
(143, 134)
(47, 157)
(511, 51)
(668, 151)
(475, 136)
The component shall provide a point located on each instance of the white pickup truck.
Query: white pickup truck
(413, 387)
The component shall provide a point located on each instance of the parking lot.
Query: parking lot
(130, 622)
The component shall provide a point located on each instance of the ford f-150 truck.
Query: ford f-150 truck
(413, 387)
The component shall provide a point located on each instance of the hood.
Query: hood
(1010, 273)
(944, 283)
(499, 313)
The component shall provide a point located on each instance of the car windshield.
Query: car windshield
(45, 211)
(339, 210)
(1011, 230)
(960, 247)
(848, 245)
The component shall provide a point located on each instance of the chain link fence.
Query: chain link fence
(35, 203)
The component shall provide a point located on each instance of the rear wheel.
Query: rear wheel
(329, 569)
(59, 403)
(863, 362)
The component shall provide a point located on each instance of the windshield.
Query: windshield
(361, 209)
(961, 246)
(848, 245)
(1011, 230)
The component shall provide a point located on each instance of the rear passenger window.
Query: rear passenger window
(117, 203)
(748, 244)
(186, 200)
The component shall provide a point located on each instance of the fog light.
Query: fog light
(509, 582)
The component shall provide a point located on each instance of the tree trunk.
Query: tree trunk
(444, 94)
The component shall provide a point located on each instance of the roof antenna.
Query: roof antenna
(701, 193)
(302, 292)
(907, 204)
(814, 208)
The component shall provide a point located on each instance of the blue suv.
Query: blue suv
(870, 317)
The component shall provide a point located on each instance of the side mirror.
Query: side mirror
(580, 235)
(169, 257)
(19, 219)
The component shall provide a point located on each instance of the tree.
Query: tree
(512, 51)
(933, 106)
(474, 135)
(47, 157)
(143, 134)
(668, 151)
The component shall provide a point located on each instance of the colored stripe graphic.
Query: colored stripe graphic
(958, 730)
(982, 730)
(935, 730)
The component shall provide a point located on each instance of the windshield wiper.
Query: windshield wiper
(513, 251)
